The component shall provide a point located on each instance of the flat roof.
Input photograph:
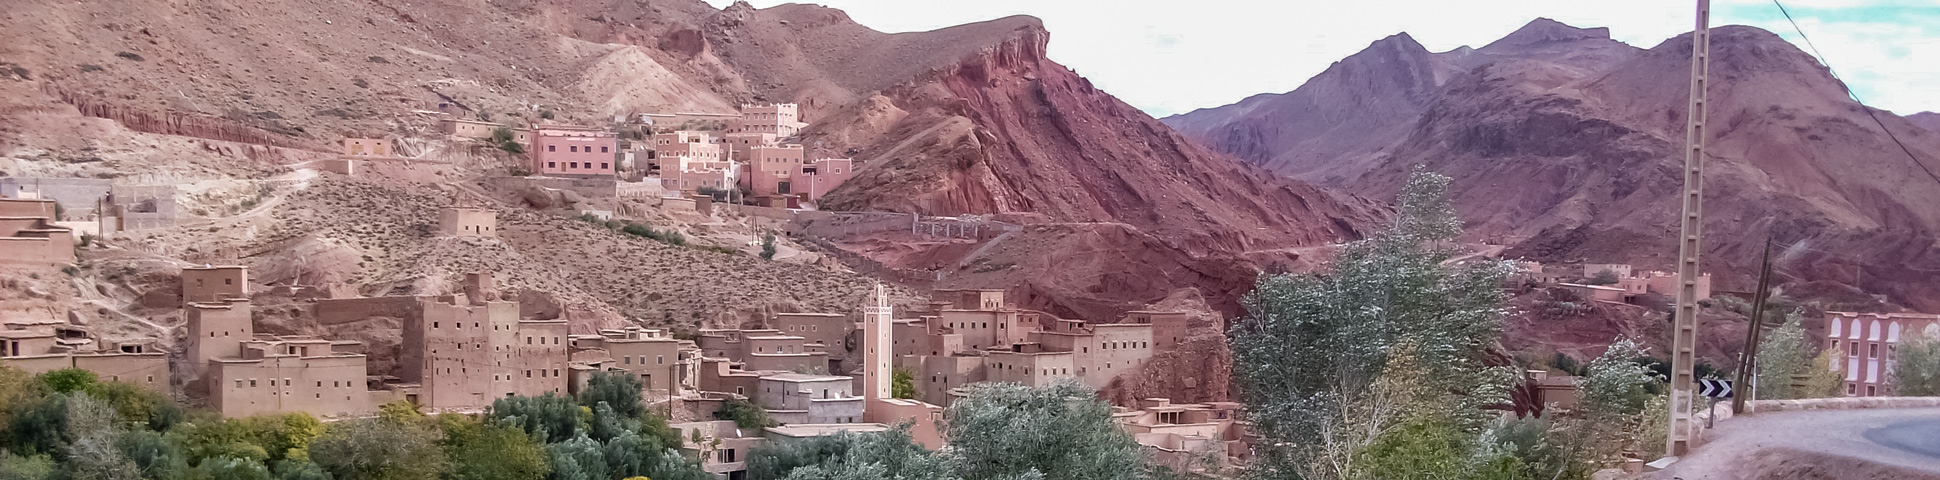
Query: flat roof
(803, 430)
(802, 377)
(215, 267)
(1592, 287)
(24, 334)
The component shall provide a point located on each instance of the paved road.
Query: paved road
(1864, 444)
(1916, 436)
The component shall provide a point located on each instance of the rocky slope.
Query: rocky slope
(1566, 145)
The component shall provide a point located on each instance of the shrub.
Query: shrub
(768, 247)
(744, 414)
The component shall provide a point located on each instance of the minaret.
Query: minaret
(878, 347)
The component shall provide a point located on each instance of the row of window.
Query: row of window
(804, 328)
(603, 165)
(575, 149)
(286, 382)
(657, 359)
(1872, 349)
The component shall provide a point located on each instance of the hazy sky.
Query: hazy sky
(1173, 56)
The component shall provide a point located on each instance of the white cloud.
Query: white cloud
(1170, 57)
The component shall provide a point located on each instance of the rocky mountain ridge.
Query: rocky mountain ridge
(1566, 146)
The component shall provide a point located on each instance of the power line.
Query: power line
(1850, 93)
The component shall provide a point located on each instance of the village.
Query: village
(868, 369)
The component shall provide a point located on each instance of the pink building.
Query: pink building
(784, 171)
(558, 150)
(1869, 343)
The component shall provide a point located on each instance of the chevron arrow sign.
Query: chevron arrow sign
(1714, 388)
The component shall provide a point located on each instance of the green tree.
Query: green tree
(547, 417)
(68, 380)
(1061, 431)
(379, 449)
(30, 467)
(17, 390)
(1616, 386)
(93, 440)
(768, 248)
(155, 456)
(487, 452)
(1782, 354)
(294, 469)
(1311, 346)
(890, 455)
(773, 460)
(902, 383)
(620, 390)
(1826, 377)
(577, 458)
(1605, 277)
(1918, 371)
(228, 468)
(743, 413)
(38, 426)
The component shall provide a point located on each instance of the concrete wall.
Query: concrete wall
(341, 166)
(141, 207)
(36, 208)
(829, 329)
(147, 370)
(76, 195)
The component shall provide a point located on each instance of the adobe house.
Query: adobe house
(775, 170)
(830, 330)
(464, 218)
(1188, 437)
(821, 176)
(480, 130)
(1169, 329)
(792, 398)
(573, 151)
(661, 362)
(367, 147)
(214, 283)
(40, 349)
(1590, 270)
(290, 374)
(1595, 292)
(28, 235)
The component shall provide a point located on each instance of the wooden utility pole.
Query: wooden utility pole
(1745, 388)
(1684, 330)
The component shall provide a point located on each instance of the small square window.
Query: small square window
(552, 148)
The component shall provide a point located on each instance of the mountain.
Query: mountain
(1567, 146)
(966, 120)
(1927, 120)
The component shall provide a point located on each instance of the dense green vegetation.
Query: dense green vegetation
(67, 424)
(1383, 367)
(996, 432)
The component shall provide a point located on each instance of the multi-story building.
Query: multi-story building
(782, 120)
(1868, 344)
(660, 361)
(290, 374)
(573, 151)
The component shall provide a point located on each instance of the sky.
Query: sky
(1172, 56)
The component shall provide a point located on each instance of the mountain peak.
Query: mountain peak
(1544, 30)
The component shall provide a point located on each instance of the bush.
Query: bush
(768, 247)
(744, 414)
(379, 449)
(1605, 277)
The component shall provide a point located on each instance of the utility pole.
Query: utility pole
(1684, 330)
(1748, 360)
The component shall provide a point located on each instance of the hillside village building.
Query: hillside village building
(28, 235)
(214, 283)
(367, 147)
(782, 120)
(1188, 437)
(1868, 344)
(137, 207)
(39, 346)
(481, 130)
(573, 151)
(465, 218)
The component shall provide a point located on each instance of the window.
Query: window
(574, 149)
(252, 382)
(602, 149)
(228, 281)
(629, 360)
(552, 148)
(659, 360)
(1851, 388)
(1871, 390)
(1872, 350)
(602, 164)
(552, 164)
(572, 164)
(435, 324)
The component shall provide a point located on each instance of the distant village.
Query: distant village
(814, 373)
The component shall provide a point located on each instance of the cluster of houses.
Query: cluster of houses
(690, 153)
(1625, 284)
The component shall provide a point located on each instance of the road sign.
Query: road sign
(1714, 388)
